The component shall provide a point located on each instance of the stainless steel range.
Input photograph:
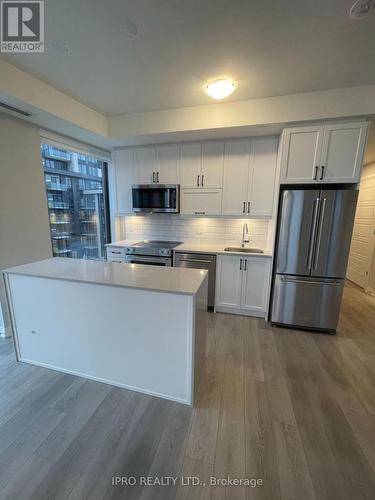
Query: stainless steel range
(151, 252)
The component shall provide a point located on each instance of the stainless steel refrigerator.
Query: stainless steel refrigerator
(314, 236)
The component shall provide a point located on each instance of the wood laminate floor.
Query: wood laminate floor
(294, 409)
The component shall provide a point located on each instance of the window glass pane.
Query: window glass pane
(77, 204)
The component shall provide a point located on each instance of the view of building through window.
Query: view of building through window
(77, 203)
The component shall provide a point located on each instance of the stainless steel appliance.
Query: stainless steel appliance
(156, 198)
(200, 261)
(151, 252)
(314, 236)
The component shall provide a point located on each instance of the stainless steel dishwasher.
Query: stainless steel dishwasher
(200, 261)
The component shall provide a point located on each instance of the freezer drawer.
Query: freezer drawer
(307, 302)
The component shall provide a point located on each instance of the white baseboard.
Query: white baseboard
(240, 312)
(106, 381)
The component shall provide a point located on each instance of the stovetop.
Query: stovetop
(157, 244)
(152, 248)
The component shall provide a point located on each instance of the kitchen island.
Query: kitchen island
(133, 326)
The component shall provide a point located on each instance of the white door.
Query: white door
(201, 201)
(363, 240)
(255, 281)
(262, 182)
(124, 178)
(145, 165)
(301, 151)
(236, 176)
(342, 152)
(167, 165)
(212, 165)
(190, 165)
(228, 281)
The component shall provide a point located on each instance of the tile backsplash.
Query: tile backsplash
(192, 229)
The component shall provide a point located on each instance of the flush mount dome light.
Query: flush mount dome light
(219, 89)
(361, 8)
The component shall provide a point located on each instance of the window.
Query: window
(76, 186)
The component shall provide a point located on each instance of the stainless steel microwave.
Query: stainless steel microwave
(156, 198)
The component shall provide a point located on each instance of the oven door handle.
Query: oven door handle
(131, 259)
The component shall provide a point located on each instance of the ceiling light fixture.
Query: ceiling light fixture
(361, 8)
(219, 89)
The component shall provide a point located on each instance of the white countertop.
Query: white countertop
(161, 279)
(197, 248)
(216, 249)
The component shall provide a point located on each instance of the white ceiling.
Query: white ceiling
(269, 47)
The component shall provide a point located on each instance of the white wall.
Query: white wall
(24, 225)
(193, 229)
(370, 170)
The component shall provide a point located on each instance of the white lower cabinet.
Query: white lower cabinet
(242, 284)
(228, 281)
(201, 201)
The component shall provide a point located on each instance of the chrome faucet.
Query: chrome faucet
(245, 235)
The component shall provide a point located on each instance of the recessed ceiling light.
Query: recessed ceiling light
(219, 89)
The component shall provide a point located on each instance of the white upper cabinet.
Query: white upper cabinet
(167, 164)
(145, 165)
(212, 165)
(201, 201)
(123, 165)
(262, 183)
(342, 152)
(301, 151)
(236, 177)
(249, 177)
(190, 165)
(331, 153)
(201, 165)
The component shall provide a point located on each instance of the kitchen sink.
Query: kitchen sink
(244, 250)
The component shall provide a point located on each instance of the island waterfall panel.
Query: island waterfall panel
(148, 341)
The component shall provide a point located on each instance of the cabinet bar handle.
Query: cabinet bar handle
(248, 207)
(316, 172)
(153, 176)
(202, 180)
(157, 176)
(199, 213)
(245, 264)
(240, 264)
(198, 180)
(322, 174)
(244, 207)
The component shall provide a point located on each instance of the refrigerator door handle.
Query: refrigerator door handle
(320, 229)
(312, 233)
(285, 279)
